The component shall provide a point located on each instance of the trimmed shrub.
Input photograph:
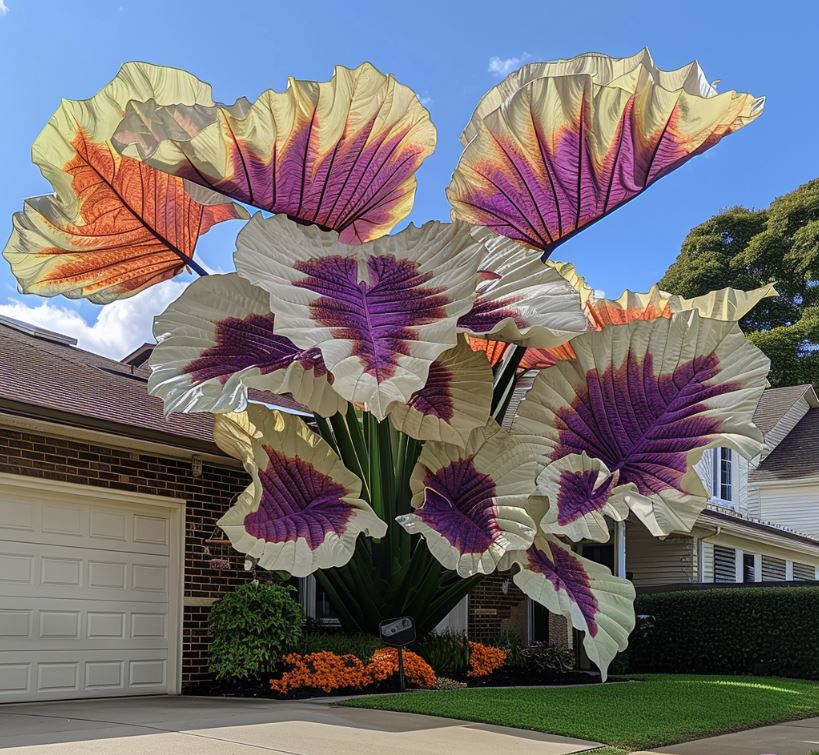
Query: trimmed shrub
(362, 646)
(252, 627)
(754, 630)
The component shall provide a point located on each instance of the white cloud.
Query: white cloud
(501, 67)
(599, 293)
(119, 328)
(4, 9)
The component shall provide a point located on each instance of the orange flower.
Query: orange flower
(384, 664)
(485, 659)
(329, 672)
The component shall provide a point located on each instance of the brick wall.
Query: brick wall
(492, 611)
(207, 496)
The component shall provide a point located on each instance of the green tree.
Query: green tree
(748, 248)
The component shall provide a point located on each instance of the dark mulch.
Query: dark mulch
(503, 678)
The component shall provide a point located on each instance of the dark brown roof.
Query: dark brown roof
(796, 456)
(50, 378)
(775, 404)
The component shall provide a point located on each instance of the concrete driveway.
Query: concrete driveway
(201, 726)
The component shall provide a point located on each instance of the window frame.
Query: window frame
(721, 458)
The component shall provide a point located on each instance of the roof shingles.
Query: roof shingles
(61, 377)
(796, 456)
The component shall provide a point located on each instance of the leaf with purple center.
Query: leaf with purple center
(647, 399)
(380, 313)
(522, 300)
(579, 489)
(469, 503)
(456, 399)
(218, 340)
(585, 592)
(303, 509)
(341, 154)
(559, 145)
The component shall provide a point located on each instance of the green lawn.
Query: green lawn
(649, 711)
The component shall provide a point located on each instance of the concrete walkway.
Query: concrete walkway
(791, 738)
(206, 726)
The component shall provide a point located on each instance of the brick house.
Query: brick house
(105, 508)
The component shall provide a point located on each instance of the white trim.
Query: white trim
(739, 565)
(757, 567)
(43, 484)
(176, 558)
(788, 570)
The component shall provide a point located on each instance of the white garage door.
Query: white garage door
(88, 594)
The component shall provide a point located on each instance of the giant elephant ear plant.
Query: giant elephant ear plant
(403, 489)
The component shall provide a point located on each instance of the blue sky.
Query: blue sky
(54, 48)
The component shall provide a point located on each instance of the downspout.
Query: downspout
(701, 551)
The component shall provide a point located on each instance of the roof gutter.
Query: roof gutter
(70, 419)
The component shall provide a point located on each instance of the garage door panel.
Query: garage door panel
(82, 573)
(62, 675)
(85, 591)
(71, 522)
(25, 624)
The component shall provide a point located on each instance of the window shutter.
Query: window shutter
(803, 572)
(773, 569)
(725, 569)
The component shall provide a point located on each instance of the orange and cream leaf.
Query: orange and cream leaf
(113, 225)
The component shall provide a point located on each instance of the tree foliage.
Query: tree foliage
(749, 248)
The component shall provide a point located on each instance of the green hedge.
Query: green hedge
(759, 630)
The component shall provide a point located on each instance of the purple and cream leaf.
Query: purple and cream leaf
(579, 489)
(522, 300)
(456, 399)
(559, 145)
(469, 504)
(302, 510)
(341, 154)
(218, 339)
(647, 399)
(380, 313)
(585, 592)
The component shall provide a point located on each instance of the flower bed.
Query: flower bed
(339, 664)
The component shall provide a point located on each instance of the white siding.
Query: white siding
(704, 468)
(794, 506)
(652, 561)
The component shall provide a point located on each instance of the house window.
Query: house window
(748, 567)
(314, 602)
(723, 475)
(538, 622)
(725, 560)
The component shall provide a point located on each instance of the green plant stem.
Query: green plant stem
(505, 381)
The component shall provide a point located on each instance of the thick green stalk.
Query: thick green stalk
(505, 381)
